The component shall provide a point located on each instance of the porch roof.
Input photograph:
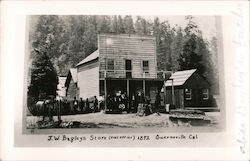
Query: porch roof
(135, 79)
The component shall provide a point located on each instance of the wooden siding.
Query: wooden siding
(122, 47)
(71, 90)
(88, 76)
(178, 97)
(196, 83)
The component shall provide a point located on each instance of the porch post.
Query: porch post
(105, 94)
(128, 94)
(144, 87)
(173, 91)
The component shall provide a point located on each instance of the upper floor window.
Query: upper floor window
(145, 65)
(111, 64)
(188, 94)
(205, 94)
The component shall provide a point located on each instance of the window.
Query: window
(145, 65)
(205, 94)
(111, 64)
(188, 94)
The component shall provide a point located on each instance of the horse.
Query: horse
(42, 107)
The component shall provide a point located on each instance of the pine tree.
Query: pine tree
(161, 59)
(141, 26)
(45, 49)
(120, 27)
(114, 25)
(177, 48)
(128, 25)
(190, 58)
(44, 78)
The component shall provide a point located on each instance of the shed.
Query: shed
(71, 84)
(61, 90)
(190, 89)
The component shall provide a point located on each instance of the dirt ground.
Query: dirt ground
(101, 120)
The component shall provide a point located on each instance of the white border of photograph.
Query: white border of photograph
(232, 144)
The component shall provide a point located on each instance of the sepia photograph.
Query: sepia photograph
(123, 71)
(124, 80)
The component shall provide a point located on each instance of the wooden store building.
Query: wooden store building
(122, 63)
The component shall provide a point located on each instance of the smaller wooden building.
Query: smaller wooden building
(71, 84)
(61, 90)
(190, 90)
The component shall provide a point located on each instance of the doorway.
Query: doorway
(128, 67)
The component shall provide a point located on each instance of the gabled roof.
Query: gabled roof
(73, 72)
(92, 56)
(180, 77)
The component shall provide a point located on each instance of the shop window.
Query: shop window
(205, 94)
(188, 94)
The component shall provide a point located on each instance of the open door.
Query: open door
(181, 98)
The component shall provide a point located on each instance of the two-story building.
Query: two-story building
(125, 63)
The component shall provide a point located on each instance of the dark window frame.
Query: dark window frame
(145, 65)
(110, 66)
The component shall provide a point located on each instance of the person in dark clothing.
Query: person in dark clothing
(148, 108)
(81, 104)
(109, 102)
(95, 104)
(75, 104)
(66, 106)
(125, 101)
(51, 108)
(142, 98)
(157, 103)
(87, 109)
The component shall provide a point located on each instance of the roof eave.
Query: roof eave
(87, 62)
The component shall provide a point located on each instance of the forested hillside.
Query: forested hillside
(66, 40)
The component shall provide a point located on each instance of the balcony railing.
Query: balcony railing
(134, 74)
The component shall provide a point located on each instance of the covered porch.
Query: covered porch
(112, 87)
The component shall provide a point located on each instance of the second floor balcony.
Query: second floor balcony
(129, 74)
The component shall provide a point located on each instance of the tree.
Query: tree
(141, 26)
(167, 39)
(214, 74)
(46, 45)
(161, 59)
(114, 25)
(177, 48)
(44, 78)
(103, 24)
(190, 57)
(128, 25)
(120, 27)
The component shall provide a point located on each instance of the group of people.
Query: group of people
(117, 102)
(121, 102)
(81, 106)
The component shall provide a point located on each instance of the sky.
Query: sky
(205, 23)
